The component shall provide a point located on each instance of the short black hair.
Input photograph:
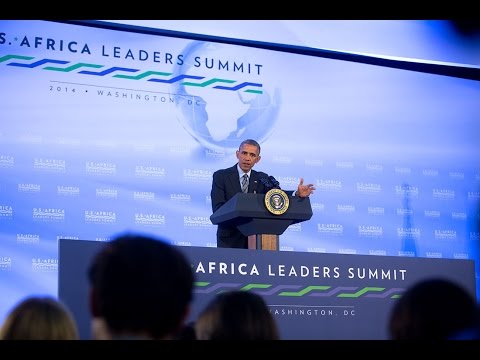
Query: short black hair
(432, 309)
(142, 285)
(250, 142)
(236, 315)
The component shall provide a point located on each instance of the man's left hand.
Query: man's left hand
(304, 190)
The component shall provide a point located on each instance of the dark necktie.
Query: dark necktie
(245, 183)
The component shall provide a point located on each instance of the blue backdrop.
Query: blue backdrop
(104, 131)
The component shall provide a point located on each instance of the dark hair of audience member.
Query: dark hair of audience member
(141, 286)
(39, 318)
(187, 332)
(236, 315)
(432, 309)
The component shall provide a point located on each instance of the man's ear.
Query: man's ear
(258, 159)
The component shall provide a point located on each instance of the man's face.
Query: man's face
(247, 156)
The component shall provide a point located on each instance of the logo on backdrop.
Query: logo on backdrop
(100, 217)
(48, 214)
(45, 265)
(5, 263)
(201, 222)
(6, 212)
(149, 219)
(28, 238)
(7, 161)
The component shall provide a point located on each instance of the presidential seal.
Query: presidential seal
(276, 201)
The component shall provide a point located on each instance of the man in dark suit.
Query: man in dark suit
(228, 182)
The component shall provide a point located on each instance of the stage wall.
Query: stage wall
(311, 296)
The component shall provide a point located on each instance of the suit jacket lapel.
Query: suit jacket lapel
(253, 179)
(234, 179)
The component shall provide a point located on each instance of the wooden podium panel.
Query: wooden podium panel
(263, 242)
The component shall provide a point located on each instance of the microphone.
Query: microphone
(266, 183)
(275, 183)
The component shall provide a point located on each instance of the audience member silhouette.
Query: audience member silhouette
(470, 332)
(39, 318)
(140, 288)
(432, 309)
(187, 332)
(236, 315)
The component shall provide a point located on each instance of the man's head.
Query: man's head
(425, 311)
(248, 154)
(236, 315)
(140, 286)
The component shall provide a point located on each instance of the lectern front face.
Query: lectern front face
(263, 242)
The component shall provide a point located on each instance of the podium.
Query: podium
(250, 215)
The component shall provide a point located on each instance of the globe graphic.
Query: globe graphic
(220, 119)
